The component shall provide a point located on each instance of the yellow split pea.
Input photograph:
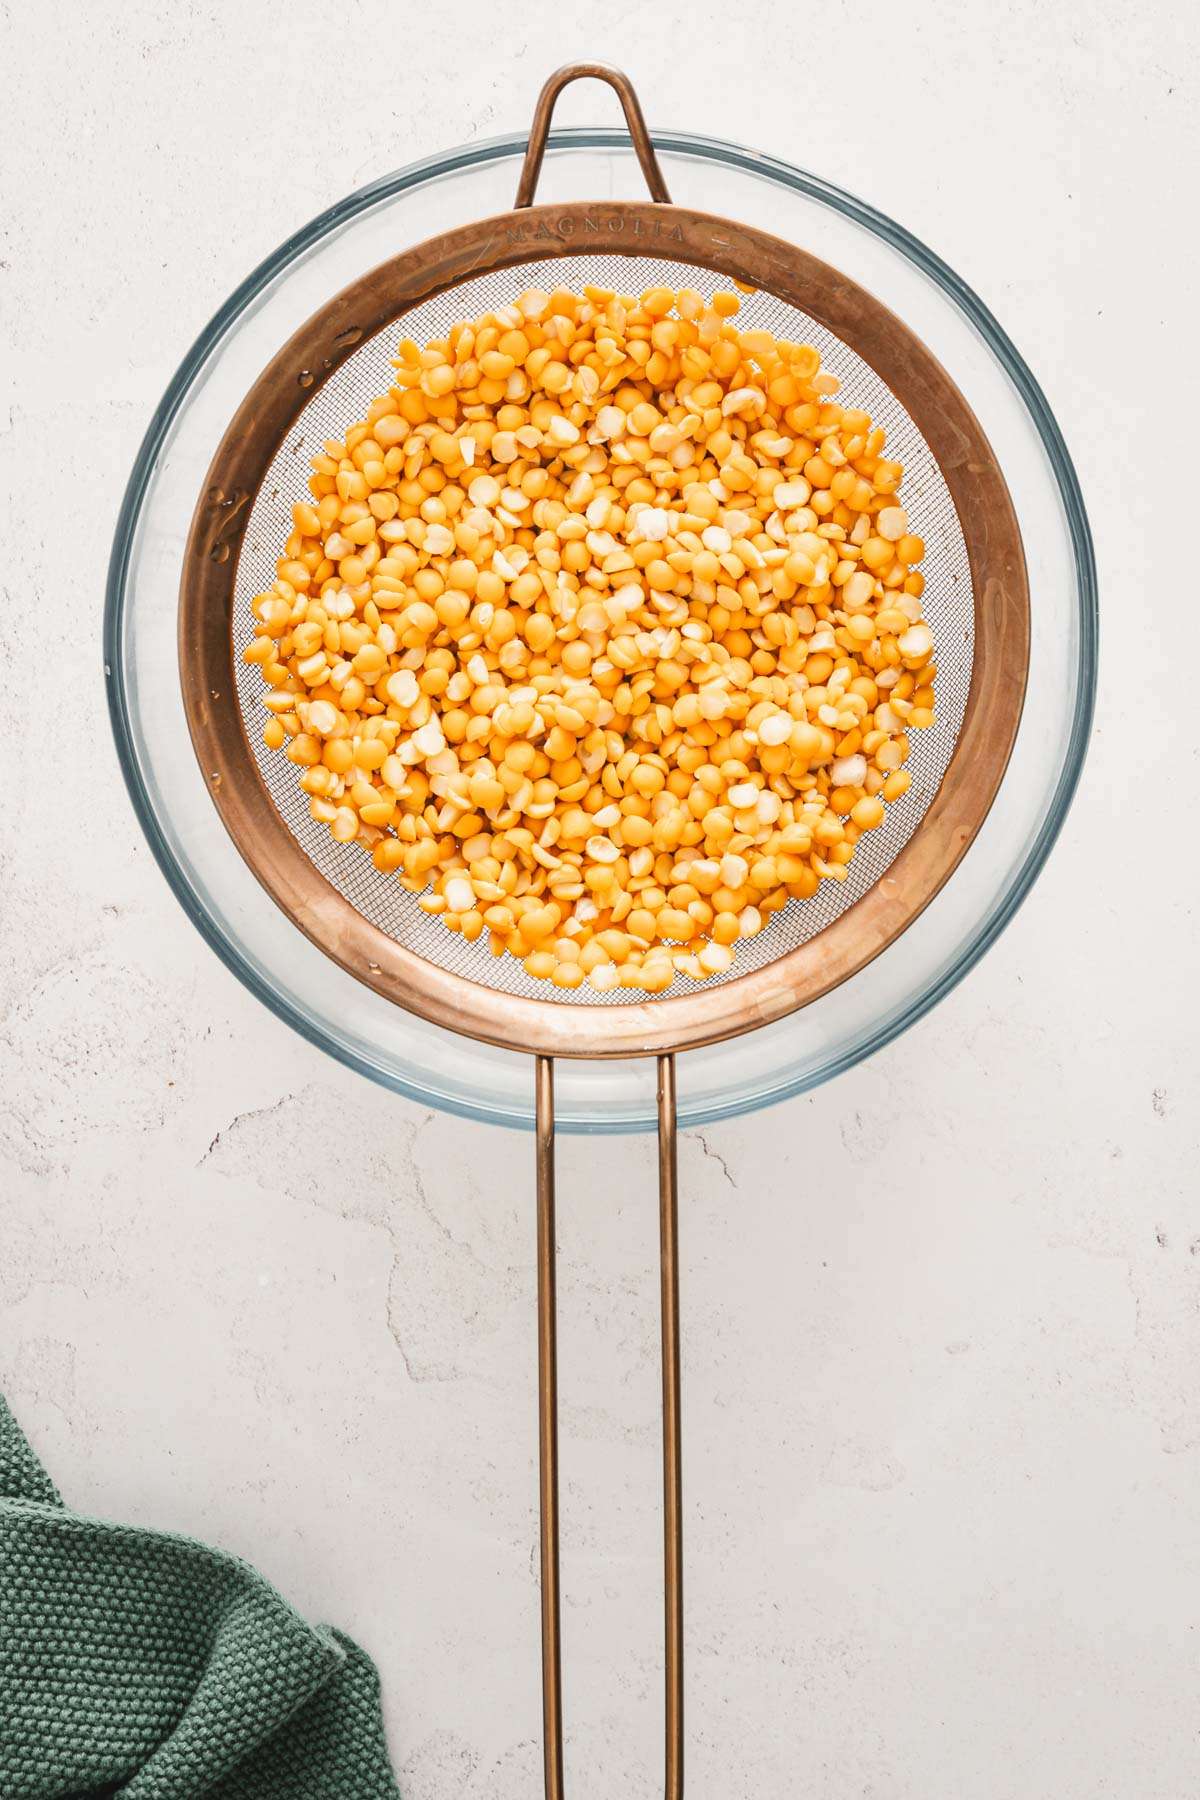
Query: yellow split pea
(602, 631)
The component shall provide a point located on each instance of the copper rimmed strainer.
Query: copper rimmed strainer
(976, 603)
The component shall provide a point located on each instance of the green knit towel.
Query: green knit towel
(145, 1665)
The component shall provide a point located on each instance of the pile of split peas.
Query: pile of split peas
(602, 632)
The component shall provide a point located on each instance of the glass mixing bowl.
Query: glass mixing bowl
(241, 922)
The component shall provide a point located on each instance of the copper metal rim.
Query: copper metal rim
(1001, 626)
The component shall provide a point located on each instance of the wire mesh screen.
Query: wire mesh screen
(948, 604)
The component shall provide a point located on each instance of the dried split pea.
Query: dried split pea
(602, 633)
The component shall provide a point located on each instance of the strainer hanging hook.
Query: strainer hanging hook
(634, 118)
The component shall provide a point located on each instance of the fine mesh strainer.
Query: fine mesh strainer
(976, 602)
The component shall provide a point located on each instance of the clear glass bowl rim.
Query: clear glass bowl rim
(752, 162)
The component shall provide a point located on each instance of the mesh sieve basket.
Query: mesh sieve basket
(948, 608)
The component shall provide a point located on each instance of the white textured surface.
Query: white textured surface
(941, 1319)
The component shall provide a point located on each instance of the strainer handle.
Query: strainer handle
(540, 128)
(668, 1218)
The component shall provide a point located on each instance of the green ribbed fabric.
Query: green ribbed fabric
(139, 1664)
